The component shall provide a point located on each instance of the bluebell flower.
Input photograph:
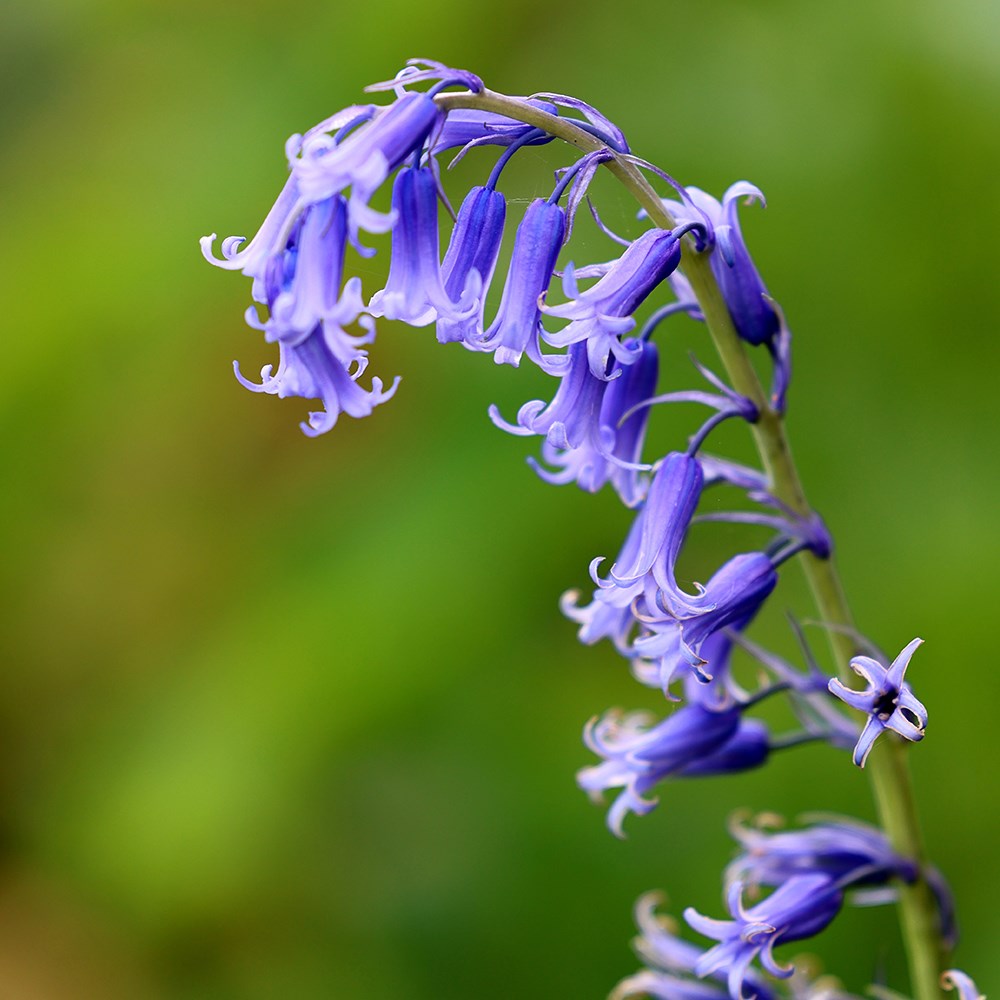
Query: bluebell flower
(637, 755)
(646, 561)
(750, 307)
(647, 558)
(317, 358)
(846, 850)
(588, 438)
(469, 262)
(954, 979)
(323, 166)
(676, 629)
(671, 961)
(517, 325)
(800, 908)
(887, 701)
(601, 314)
(414, 292)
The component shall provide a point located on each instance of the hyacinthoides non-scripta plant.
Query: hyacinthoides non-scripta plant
(784, 885)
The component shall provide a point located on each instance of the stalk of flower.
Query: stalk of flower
(593, 433)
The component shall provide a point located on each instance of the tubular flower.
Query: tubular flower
(846, 850)
(647, 558)
(518, 322)
(414, 292)
(586, 438)
(637, 755)
(671, 960)
(676, 629)
(800, 908)
(318, 359)
(603, 313)
(468, 265)
(750, 306)
(323, 166)
(888, 701)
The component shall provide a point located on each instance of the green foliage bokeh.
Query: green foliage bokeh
(295, 718)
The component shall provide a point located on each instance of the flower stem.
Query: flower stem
(888, 766)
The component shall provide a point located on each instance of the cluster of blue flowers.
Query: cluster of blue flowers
(677, 639)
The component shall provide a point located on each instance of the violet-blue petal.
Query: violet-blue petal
(602, 313)
(467, 125)
(887, 700)
(467, 269)
(414, 292)
(637, 756)
(800, 908)
(517, 325)
(366, 157)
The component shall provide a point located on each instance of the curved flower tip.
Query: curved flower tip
(887, 701)
(954, 979)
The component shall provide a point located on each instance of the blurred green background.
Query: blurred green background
(295, 718)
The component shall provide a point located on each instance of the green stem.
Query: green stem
(888, 766)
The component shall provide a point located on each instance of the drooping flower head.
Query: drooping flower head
(798, 909)
(468, 265)
(742, 287)
(843, 849)
(646, 561)
(601, 314)
(318, 359)
(671, 962)
(518, 323)
(592, 435)
(414, 292)
(637, 755)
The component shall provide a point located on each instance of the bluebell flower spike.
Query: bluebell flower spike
(888, 701)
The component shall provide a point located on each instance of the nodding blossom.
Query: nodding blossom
(414, 292)
(593, 431)
(750, 307)
(638, 755)
(468, 265)
(671, 962)
(517, 326)
(799, 908)
(602, 314)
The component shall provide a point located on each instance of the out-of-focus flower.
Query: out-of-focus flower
(637, 754)
(799, 908)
